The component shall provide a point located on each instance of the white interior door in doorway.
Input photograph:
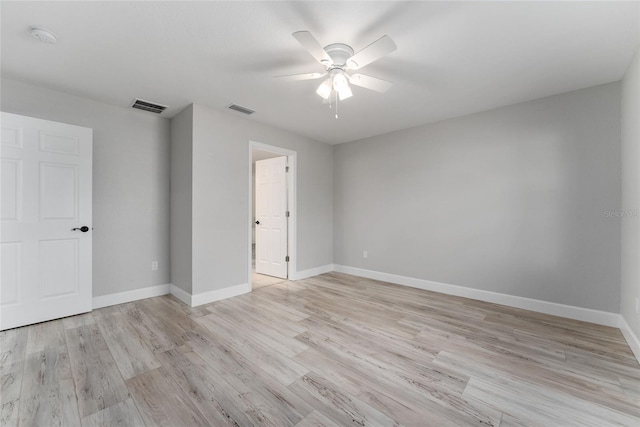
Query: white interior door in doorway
(271, 217)
(45, 208)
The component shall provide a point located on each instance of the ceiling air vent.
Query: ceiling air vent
(141, 104)
(241, 109)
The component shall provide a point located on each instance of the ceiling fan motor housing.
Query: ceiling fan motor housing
(339, 53)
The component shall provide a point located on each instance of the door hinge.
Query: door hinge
(286, 259)
(287, 214)
(286, 168)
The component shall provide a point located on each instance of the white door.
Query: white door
(271, 219)
(46, 199)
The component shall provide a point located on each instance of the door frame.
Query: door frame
(292, 157)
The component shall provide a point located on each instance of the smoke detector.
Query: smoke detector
(44, 35)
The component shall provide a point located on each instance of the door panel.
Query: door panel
(58, 191)
(271, 208)
(11, 136)
(11, 189)
(59, 143)
(58, 267)
(11, 286)
(46, 192)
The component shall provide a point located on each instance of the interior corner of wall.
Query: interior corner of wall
(630, 336)
(181, 294)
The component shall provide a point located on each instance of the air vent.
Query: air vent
(241, 109)
(141, 104)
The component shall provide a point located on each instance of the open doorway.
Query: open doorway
(272, 214)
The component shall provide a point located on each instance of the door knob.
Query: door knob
(84, 229)
(258, 222)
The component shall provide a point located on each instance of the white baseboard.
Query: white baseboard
(128, 296)
(571, 312)
(304, 274)
(219, 294)
(181, 294)
(631, 337)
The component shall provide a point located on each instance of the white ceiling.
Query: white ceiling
(453, 58)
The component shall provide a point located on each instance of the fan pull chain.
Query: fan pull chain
(336, 105)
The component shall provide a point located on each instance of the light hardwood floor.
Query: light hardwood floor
(261, 280)
(326, 351)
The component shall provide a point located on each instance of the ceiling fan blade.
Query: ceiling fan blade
(376, 50)
(369, 82)
(306, 39)
(297, 77)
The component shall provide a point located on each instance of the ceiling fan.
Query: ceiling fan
(339, 61)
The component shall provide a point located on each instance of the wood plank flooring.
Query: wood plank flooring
(261, 280)
(333, 350)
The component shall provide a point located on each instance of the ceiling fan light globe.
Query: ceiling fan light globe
(324, 90)
(345, 93)
(340, 82)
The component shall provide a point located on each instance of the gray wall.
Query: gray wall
(130, 183)
(220, 197)
(182, 199)
(510, 200)
(631, 194)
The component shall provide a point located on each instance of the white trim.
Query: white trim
(128, 296)
(571, 312)
(304, 274)
(181, 294)
(631, 338)
(219, 294)
(210, 296)
(292, 189)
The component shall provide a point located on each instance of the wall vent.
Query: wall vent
(141, 104)
(241, 109)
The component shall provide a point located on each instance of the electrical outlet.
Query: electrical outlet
(637, 305)
(365, 254)
(154, 265)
